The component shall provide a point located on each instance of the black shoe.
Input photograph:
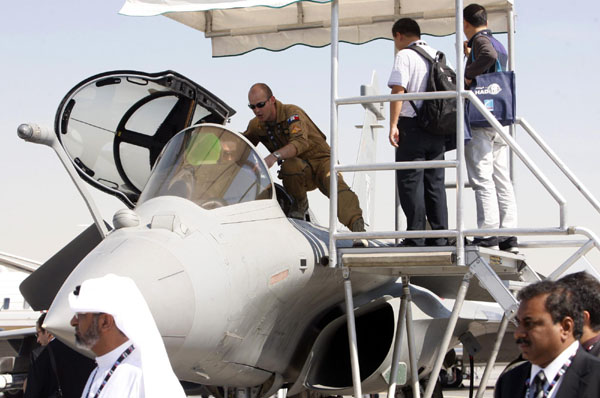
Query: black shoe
(489, 243)
(360, 243)
(436, 242)
(407, 243)
(452, 242)
(509, 244)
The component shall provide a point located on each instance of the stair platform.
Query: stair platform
(435, 268)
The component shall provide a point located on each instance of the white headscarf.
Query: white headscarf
(120, 297)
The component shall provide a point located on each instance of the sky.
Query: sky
(48, 47)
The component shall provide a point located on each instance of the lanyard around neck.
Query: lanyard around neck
(560, 372)
(121, 358)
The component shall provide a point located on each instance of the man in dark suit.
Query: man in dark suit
(56, 366)
(587, 290)
(550, 321)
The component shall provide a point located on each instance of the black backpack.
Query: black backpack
(437, 116)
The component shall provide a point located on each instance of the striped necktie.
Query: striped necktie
(538, 385)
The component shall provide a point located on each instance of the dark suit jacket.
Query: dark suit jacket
(73, 370)
(582, 379)
(595, 351)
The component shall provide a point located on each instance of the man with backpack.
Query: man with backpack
(422, 191)
(486, 155)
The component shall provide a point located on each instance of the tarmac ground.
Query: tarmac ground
(461, 392)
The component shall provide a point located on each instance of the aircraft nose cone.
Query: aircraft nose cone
(158, 274)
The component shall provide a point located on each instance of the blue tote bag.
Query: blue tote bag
(497, 91)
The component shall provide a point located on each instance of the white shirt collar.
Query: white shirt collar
(107, 360)
(418, 43)
(552, 369)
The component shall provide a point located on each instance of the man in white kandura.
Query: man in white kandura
(113, 320)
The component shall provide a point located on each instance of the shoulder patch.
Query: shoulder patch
(292, 119)
(295, 130)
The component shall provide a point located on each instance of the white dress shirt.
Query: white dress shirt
(125, 382)
(552, 369)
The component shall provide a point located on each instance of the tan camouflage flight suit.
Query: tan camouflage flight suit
(310, 168)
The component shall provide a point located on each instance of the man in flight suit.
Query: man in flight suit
(299, 146)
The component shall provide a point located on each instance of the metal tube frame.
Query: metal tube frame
(333, 197)
(522, 155)
(397, 209)
(539, 244)
(394, 97)
(352, 335)
(460, 232)
(492, 359)
(510, 14)
(559, 163)
(397, 347)
(528, 162)
(583, 250)
(439, 233)
(461, 94)
(420, 164)
(460, 137)
(443, 348)
(410, 334)
(528, 245)
(404, 318)
(586, 232)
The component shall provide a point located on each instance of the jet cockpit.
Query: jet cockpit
(212, 167)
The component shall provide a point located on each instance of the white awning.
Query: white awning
(239, 26)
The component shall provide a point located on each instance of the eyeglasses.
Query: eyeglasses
(258, 104)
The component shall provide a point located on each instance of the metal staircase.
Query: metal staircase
(499, 274)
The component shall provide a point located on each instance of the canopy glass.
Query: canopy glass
(211, 166)
(114, 125)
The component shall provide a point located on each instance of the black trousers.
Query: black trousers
(422, 192)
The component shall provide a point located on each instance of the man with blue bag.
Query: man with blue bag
(486, 154)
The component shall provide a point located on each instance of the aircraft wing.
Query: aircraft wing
(17, 333)
(18, 263)
(40, 287)
(236, 27)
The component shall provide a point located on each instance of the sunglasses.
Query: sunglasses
(258, 104)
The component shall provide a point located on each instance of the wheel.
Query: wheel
(407, 391)
(13, 394)
(453, 379)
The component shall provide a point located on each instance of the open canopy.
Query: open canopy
(114, 125)
(239, 26)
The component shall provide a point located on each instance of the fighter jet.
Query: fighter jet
(241, 294)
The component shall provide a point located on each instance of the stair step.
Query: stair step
(495, 270)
